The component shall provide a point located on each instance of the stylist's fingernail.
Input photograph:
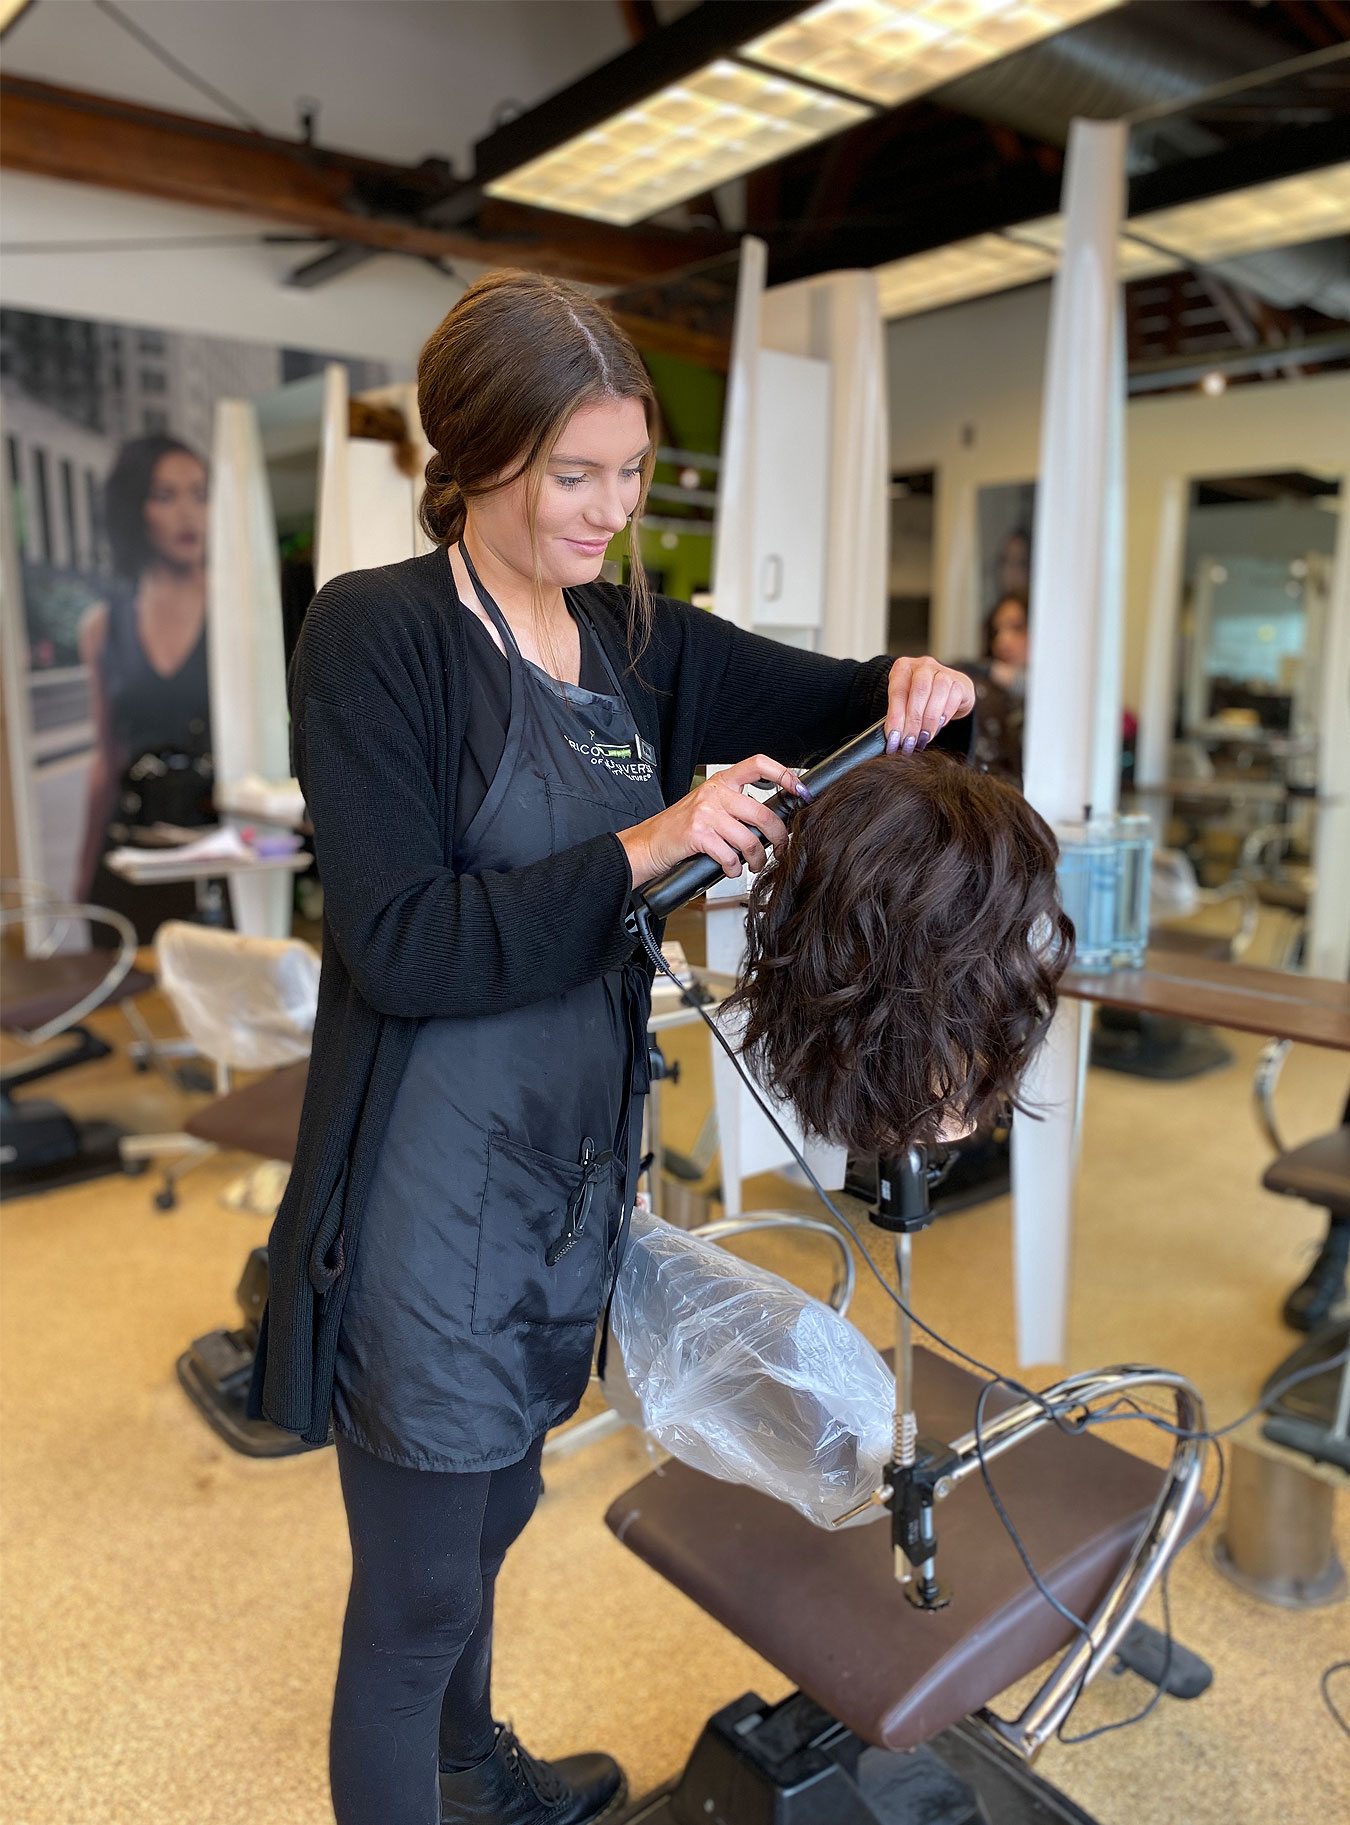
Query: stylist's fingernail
(942, 721)
(893, 742)
(907, 745)
(803, 790)
(923, 741)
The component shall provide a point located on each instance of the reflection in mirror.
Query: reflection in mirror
(1253, 629)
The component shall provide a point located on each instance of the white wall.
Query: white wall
(965, 398)
(397, 79)
(384, 310)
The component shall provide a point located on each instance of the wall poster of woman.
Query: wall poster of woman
(106, 428)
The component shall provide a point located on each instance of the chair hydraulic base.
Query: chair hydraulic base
(42, 1148)
(215, 1372)
(1154, 1045)
(792, 1764)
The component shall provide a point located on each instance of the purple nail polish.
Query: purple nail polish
(907, 745)
(942, 721)
(923, 741)
(893, 742)
(803, 790)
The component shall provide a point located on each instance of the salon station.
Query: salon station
(675, 942)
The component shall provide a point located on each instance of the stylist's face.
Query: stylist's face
(591, 486)
(175, 510)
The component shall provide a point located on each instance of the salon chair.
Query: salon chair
(890, 1721)
(46, 994)
(1318, 1171)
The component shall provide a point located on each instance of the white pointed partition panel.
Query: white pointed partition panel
(250, 728)
(1072, 737)
(801, 553)
(367, 512)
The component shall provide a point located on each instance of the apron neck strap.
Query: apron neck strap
(495, 615)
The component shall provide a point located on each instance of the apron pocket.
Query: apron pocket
(541, 1241)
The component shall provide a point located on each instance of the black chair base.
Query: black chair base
(42, 1148)
(214, 1372)
(1154, 1045)
(1304, 1417)
(792, 1764)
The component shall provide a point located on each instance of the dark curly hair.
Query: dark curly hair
(905, 950)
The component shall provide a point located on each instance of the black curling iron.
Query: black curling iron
(688, 879)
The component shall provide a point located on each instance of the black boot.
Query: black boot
(512, 1788)
(1316, 1297)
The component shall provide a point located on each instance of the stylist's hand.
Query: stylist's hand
(922, 696)
(715, 819)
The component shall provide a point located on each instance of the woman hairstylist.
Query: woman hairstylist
(494, 749)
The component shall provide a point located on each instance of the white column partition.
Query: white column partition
(1329, 933)
(245, 646)
(333, 518)
(734, 550)
(1073, 675)
(1157, 700)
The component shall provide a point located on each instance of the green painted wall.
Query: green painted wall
(692, 400)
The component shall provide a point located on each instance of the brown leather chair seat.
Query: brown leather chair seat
(1318, 1171)
(826, 1610)
(34, 990)
(262, 1118)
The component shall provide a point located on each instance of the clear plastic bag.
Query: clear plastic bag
(247, 1002)
(741, 1374)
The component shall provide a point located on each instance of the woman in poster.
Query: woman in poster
(145, 647)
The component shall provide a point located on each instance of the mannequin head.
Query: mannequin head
(543, 423)
(905, 947)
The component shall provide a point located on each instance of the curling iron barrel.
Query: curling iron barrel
(688, 879)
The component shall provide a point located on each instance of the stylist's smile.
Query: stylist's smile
(593, 548)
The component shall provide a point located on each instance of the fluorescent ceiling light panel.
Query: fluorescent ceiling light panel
(1136, 259)
(1310, 207)
(890, 50)
(1288, 210)
(965, 269)
(714, 125)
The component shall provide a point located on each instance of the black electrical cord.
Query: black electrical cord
(1057, 1414)
(1337, 1666)
(165, 56)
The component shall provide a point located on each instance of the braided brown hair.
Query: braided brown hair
(497, 382)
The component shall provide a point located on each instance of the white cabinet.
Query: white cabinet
(791, 496)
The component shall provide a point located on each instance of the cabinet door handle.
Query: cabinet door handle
(772, 577)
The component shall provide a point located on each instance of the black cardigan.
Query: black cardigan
(378, 713)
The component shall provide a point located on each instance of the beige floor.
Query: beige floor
(171, 1611)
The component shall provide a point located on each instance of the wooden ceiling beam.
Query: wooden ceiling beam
(97, 139)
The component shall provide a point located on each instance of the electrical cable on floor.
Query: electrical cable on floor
(1337, 1666)
(1056, 1414)
(165, 56)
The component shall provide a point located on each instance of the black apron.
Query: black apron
(496, 1214)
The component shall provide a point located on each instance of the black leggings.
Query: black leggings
(414, 1682)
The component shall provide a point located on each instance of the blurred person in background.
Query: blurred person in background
(145, 647)
(999, 677)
